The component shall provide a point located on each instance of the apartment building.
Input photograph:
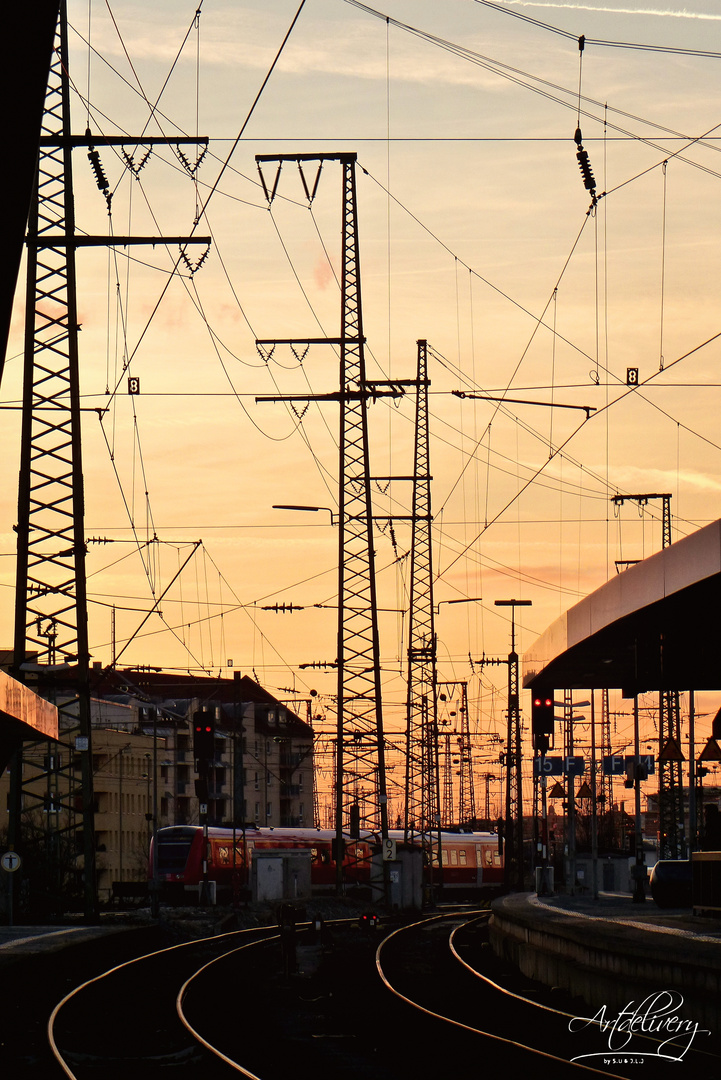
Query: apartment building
(261, 772)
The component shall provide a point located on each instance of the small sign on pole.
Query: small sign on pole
(11, 861)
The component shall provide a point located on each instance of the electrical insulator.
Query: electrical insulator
(585, 166)
(100, 178)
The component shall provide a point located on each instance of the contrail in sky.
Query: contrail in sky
(616, 10)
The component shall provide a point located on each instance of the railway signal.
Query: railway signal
(203, 737)
(542, 720)
(542, 714)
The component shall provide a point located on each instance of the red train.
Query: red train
(471, 861)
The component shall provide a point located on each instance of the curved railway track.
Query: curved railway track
(127, 1016)
(425, 999)
(526, 1021)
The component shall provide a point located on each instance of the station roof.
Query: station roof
(653, 627)
(24, 715)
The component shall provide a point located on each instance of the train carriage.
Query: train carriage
(471, 863)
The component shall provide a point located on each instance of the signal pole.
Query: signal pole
(514, 789)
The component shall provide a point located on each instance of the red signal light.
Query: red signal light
(542, 714)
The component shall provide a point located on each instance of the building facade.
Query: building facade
(144, 773)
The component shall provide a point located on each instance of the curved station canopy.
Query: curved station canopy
(653, 627)
(24, 717)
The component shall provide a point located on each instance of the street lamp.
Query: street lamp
(461, 600)
(312, 509)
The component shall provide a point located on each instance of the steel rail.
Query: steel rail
(459, 1024)
(118, 967)
(216, 959)
(550, 1009)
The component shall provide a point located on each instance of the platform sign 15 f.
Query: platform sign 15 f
(558, 766)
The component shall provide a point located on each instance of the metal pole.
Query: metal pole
(571, 798)
(120, 818)
(639, 893)
(692, 823)
(154, 890)
(514, 787)
(594, 806)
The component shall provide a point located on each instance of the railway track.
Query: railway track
(343, 999)
(525, 1021)
(125, 1021)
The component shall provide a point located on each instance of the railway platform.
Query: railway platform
(610, 951)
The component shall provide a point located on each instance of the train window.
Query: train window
(173, 853)
(454, 857)
(462, 857)
(488, 856)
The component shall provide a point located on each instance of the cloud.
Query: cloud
(660, 12)
(248, 40)
(322, 273)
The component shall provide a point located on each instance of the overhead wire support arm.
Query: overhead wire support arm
(74, 142)
(57, 240)
(333, 395)
(310, 341)
(310, 193)
(588, 409)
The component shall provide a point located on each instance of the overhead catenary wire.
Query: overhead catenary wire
(554, 338)
(602, 42)
(215, 185)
